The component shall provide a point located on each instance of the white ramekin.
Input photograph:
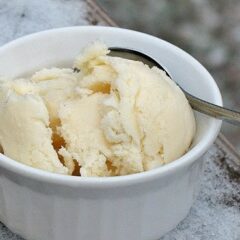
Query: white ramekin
(42, 206)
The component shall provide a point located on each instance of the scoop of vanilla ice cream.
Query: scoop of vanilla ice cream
(146, 120)
(114, 117)
(24, 133)
(153, 112)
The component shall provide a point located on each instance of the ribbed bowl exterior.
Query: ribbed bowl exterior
(40, 211)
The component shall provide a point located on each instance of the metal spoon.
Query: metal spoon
(198, 104)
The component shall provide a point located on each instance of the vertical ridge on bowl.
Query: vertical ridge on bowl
(3, 211)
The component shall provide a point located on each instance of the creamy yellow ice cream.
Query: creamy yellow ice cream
(114, 117)
(24, 133)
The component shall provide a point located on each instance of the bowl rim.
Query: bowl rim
(75, 181)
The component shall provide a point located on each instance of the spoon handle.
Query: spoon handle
(213, 110)
(202, 106)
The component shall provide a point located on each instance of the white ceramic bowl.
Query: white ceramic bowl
(41, 206)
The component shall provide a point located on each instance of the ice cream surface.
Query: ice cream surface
(114, 117)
